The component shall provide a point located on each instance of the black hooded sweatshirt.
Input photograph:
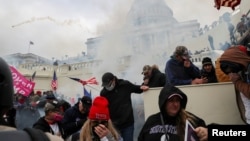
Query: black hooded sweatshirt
(120, 103)
(153, 129)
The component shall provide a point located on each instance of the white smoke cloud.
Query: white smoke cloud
(68, 22)
(60, 27)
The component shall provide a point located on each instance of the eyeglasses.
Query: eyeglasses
(97, 122)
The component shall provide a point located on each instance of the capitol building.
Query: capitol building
(149, 36)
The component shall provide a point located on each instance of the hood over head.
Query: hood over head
(236, 55)
(167, 92)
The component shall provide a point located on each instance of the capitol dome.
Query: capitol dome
(147, 12)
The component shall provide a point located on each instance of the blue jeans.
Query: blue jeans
(127, 133)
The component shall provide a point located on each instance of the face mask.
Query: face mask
(58, 117)
(21, 100)
(111, 87)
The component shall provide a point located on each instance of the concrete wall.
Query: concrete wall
(215, 103)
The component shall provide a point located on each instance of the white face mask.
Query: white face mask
(111, 87)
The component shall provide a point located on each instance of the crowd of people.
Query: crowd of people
(110, 117)
(179, 70)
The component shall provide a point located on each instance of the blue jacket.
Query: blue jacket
(177, 74)
(73, 120)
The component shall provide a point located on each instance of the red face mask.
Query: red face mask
(21, 100)
(58, 117)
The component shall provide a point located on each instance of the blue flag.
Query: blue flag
(86, 93)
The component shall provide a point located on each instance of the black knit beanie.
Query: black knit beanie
(206, 60)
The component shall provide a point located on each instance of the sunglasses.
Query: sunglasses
(97, 122)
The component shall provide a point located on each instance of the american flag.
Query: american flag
(227, 3)
(92, 80)
(54, 82)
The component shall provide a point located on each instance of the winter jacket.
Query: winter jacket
(211, 76)
(234, 54)
(43, 125)
(120, 103)
(157, 79)
(153, 130)
(177, 74)
(221, 76)
(73, 120)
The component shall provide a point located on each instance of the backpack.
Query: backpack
(27, 134)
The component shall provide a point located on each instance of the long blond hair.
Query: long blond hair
(86, 131)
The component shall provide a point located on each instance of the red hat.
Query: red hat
(243, 48)
(39, 93)
(99, 109)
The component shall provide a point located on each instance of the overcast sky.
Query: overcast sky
(61, 27)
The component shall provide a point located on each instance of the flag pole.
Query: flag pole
(94, 88)
(29, 48)
(30, 43)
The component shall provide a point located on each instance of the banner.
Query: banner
(21, 84)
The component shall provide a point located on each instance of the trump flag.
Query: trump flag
(21, 84)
